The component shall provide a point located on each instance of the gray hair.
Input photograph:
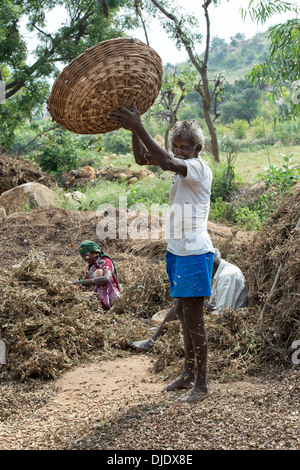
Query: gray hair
(217, 257)
(194, 130)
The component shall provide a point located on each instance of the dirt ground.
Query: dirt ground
(120, 405)
(112, 399)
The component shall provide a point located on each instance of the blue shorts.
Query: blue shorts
(190, 276)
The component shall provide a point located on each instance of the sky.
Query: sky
(225, 21)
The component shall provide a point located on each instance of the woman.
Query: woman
(100, 274)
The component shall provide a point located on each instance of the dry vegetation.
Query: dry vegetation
(50, 326)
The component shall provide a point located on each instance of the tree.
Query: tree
(281, 68)
(175, 86)
(240, 102)
(86, 23)
(180, 30)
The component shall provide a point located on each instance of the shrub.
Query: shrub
(224, 183)
(283, 177)
(259, 127)
(239, 128)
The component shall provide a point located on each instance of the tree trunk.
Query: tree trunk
(213, 135)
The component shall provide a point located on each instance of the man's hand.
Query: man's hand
(130, 120)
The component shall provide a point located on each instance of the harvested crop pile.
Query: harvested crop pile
(48, 324)
(243, 342)
(15, 171)
(271, 264)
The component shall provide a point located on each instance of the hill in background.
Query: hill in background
(236, 58)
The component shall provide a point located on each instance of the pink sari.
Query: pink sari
(110, 293)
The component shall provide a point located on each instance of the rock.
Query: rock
(133, 179)
(86, 172)
(80, 177)
(159, 316)
(2, 212)
(75, 195)
(29, 194)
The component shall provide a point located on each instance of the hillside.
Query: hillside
(238, 57)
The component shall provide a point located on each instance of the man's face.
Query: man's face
(183, 147)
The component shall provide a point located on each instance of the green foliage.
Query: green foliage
(220, 210)
(288, 132)
(259, 127)
(224, 184)
(118, 142)
(283, 178)
(251, 215)
(58, 154)
(58, 151)
(239, 128)
(241, 101)
(148, 193)
(281, 68)
(25, 72)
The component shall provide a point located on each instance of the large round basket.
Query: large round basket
(120, 71)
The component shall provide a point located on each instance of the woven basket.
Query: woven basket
(115, 72)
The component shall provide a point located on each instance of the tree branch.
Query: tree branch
(181, 34)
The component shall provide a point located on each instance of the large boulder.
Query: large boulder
(31, 195)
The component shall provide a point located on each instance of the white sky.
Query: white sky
(225, 21)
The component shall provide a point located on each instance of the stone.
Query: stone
(31, 195)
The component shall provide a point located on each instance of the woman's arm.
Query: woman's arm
(98, 281)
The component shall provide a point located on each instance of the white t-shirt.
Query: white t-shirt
(228, 287)
(189, 201)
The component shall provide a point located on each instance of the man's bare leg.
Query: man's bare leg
(194, 320)
(187, 376)
(147, 344)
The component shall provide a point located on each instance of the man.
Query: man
(228, 287)
(228, 291)
(189, 248)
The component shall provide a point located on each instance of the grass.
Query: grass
(144, 193)
(250, 164)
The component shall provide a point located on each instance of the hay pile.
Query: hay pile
(271, 265)
(248, 341)
(15, 171)
(48, 324)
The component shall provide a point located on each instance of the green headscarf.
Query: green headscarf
(88, 246)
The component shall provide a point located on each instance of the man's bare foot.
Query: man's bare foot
(183, 381)
(144, 346)
(195, 394)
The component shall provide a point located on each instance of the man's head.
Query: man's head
(188, 140)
